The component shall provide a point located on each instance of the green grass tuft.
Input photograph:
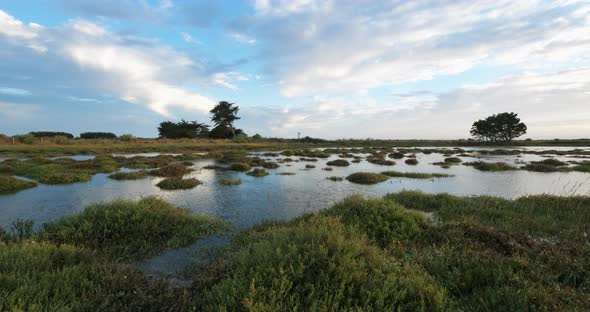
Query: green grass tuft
(366, 178)
(10, 185)
(415, 175)
(257, 173)
(339, 163)
(135, 175)
(124, 229)
(485, 166)
(178, 184)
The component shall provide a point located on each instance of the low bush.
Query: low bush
(412, 161)
(240, 167)
(338, 163)
(178, 184)
(366, 178)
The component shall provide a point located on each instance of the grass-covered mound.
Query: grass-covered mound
(10, 185)
(366, 178)
(257, 172)
(453, 160)
(415, 175)
(240, 167)
(135, 175)
(339, 163)
(411, 161)
(54, 174)
(171, 170)
(230, 182)
(335, 179)
(316, 264)
(380, 161)
(37, 276)
(178, 184)
(486, 166)
(539, 215)
(124, 229)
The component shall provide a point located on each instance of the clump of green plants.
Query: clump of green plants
(540, 167)
(411, 161)
(286, 173)
(230, 182)
(240, 167)
(335, 179)
(52, 173)
(270, 165)
(134, 175)
(397, 155)
(178, 184)
(551, 162)
(453, 160)
(486, 166)
(338, 163)
(309, 166)
(171, 170)
(328, 169)
(10, 185)
(257, 172)
(124, 229)
(320, 264)
(415, 175)
(380, 161)
(382, 221)
(539, 215)
(366, 178)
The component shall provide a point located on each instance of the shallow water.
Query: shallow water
(280, 197)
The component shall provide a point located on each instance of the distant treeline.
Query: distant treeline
(98, 135)
(51, 134)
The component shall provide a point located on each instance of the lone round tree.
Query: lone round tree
(501, 127)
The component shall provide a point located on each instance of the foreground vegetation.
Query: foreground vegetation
(407, 251)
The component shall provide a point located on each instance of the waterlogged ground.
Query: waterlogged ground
(281, 197)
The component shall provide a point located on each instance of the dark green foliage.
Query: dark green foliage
(224, 116)
(287, 173)
(485, 166)
(9, 185)
(124, 229)
(309, 166)
(543, 167)
(38, 276)
(270, 165)
(380, 161)
(338, 163)
(539, 215)
(230, 182)
(257, 172)
(366, 178)
(414, 175)
(453, 160)
(396, 155)
(98, 135)
(178, 184)
(53, 173)
(381, 220)
(317, 264)
(500, 127)
(335, 179)
(183, 129)
(21, 230)
(172, 170)
(550, 162)
(135, 175)
(411, 161)
(51, 134)
(240, 167)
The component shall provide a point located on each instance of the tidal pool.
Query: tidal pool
(282, 197)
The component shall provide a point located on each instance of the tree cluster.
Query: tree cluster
(224, 114)
(98, 135)
(51, 134)
(501, 127)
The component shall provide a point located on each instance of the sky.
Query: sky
(331, 69)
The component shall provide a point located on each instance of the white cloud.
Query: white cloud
(241, 38)
(145, 74)
(187, 37)
(14, 91)
(328, 46)
(17, 111)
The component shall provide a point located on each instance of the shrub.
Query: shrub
(318, 265)
(135, 175)
(338, 163)
(171, 170)
(415, 175)
(411, 161)
(453, 160)
(240, 167)
(10, 185)
(366, 178)
(178, 184)
(25, 138)
(98, 135)
(381, 220)
(485, 166)
(126, 137)
(396, 155)
(257, 172)
(230, 182)
(124, 229)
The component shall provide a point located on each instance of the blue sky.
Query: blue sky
(332, 69)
